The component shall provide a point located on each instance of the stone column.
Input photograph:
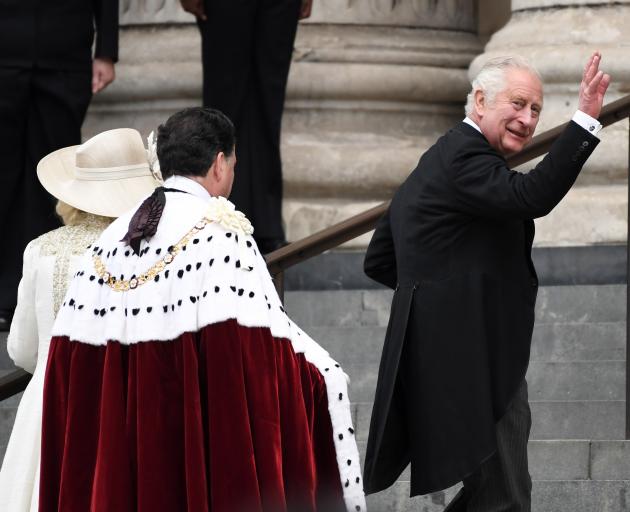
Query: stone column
(558, 36)
(373, 83)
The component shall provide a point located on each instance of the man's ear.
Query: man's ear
(480, 102)
(217, 166)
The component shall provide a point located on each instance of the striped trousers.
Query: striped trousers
(502, 483)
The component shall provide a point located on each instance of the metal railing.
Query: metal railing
(329, 238)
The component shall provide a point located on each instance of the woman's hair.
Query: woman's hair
(491, 79)
(190, 140)
(71, 216)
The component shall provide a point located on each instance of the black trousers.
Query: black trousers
(40, 111)
(246, 55)
(502, 483)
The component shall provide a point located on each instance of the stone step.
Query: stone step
(557, 266)
(568, 459)
(339, 308)
(5, 360)
(584, 380)
(8, 408)
(584, 303)
(547, 496)
(561, 342)
(577, 419)
(396, 499)
(571, 381)
(587, 303)
(579, 341)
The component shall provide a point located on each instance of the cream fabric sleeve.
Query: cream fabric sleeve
(23, 337)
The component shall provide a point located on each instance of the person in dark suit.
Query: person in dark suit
(455, 244)
(47, 77)
(246, 48)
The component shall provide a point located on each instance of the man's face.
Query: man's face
(509, 121)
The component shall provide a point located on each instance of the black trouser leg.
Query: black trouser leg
(502, 483)
(248, 83)
(14, 89)
(15, 86)
(52, 112)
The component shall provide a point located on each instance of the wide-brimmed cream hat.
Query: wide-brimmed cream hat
(106, 175)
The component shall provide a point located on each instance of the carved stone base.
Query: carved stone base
(364, 104)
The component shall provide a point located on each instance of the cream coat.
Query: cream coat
(49, 263)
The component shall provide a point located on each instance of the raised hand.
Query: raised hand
(593, 87)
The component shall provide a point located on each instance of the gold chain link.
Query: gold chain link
(120, 285)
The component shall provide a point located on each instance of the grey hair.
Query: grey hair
(491, 78)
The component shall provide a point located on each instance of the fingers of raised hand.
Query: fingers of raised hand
(592, 67)
(593, 85)
(603, 84)
(588, 65)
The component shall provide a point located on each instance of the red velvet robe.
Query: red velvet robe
(193, 391)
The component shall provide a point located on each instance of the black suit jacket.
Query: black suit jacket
(456, 245)
(57, 34)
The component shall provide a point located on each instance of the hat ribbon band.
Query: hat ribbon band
(112, 173)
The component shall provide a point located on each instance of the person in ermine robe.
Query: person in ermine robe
(176, 380)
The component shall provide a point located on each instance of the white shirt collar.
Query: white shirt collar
(470, 122)
(187, 185)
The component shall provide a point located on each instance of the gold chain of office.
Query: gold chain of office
(122, 285)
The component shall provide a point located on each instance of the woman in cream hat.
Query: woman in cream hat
(94, 183)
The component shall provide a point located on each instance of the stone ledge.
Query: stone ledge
(587, 265)
(548, 460)
(547, 496)
(551, 420)
(610, 460)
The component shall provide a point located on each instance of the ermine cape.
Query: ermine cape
(177, 382)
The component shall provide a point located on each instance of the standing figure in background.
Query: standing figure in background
(86, 205)
(47, 78)
(246, 54)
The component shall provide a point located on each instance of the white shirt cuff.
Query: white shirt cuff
(587, 122)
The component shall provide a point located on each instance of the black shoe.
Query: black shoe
(5, 319)
(267, 245)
